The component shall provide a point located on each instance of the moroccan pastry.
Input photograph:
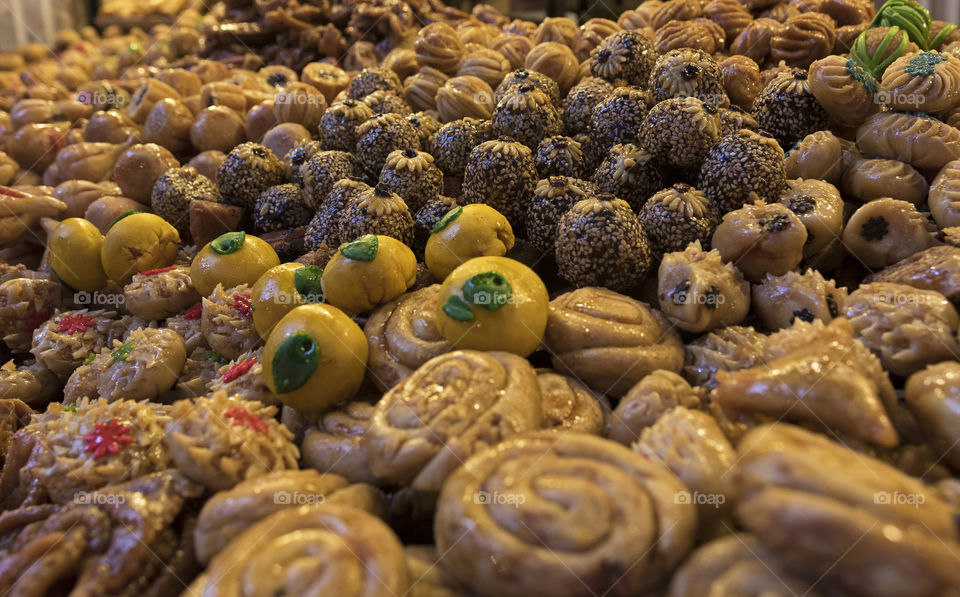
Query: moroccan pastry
(742, 165)
(199, 370)
(62, 452)
(242, 376)
(646, 402)
(935, 268)
(921, 141)
(281, 207)
(376, 211)
(552, 197)
(560, 156)
(324, 228)
(779, 300)
(492, 397)
(700, 34)
(628, 488)
(618, 118)
(322, 171)
(741, 78)
(227, 320)
(62, 342)
(464, 233)
(380, 135)
(30, 383)
(339, 122)
(608, 340)
(526, 114)
(907, 327)
(486, 64)
(927, 82)
(369, 271)
(402, 335)
(884, 231)
(679, 132)
(754, 40)
(727, 349)
(733, 17)
(687, 73)
(219, 441)
(229, 513)
(453, 143)
(427, 126)
(591, 34)
(281, 289)
(428, 216)
(819, 206)
(370, 80)
(557, 29)
(556, 61)
(818, 156)
(625, 55)
(569, 405)
(146, 363)
(464, 96)
(844, 89)
(412, 175)
(501, 174)
(600, 242)
(866, 180)
(135, 243)
(512, 47)
(854, 497)
(931, 395)
(493, 303)
(787, 109)
(944, 196)
(761, 238)
(335, 444)
(633, 173)
(438, 46)
(698, 292)
(523, 76)
(420, 89)
(677, 216)
(579, 103)
(175, 189)
(138, 168)
(161, 293)
(248, 170)
(804, 38)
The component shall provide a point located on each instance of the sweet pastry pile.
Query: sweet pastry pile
(382, 298)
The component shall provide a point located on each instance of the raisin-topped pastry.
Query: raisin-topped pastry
(527, 114)
(625, 55)
(680, 131)
(740, 166)
(376, 211)
(608, 340)
(698, 292)
(412, 175)
(761, 238)
(600, 243)
(884, 231)
(779, 300)
(501, 174)
(677, 216)
(560, 156)
(819, 206)
(933, 396)
(552, 197)
(927, 81)
(788, 110)
(220, 440)
(631, 173)
(227, 321)
(687, 73)
(844, 89)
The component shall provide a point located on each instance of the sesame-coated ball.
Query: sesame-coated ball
(338, 125)
(552, 197)
(427, 126)
(741, 168)
(412, 175)
(501, 174)
(619, 118)
(377, 211)
(677, 216)
(173, 192)
(581, 100)
(248, 170)
(426, 218)
(560, 156)
(522, 76)
(625, 55)
(455, 140)
(679, 132)
(631, 173)
(281, 207)
(381, 135)
(526, 114)
(324, 228)
(788, 110)
(387, 102)
(321, 171)
(734, 118)
(688, 72)
(297, 156)
(374, 79)
(600, 243)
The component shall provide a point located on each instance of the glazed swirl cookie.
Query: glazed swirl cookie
(489, 397)
(754, 40)
(884, 231)
(573, 513)
(761, 238)
(220, 440)
(818, 156)
(325, 548)
(227, 321)
(925, 81)
(568, 405)
(779, 300)
(844, 89)
(160, 293)
(866, 180)
(944, 196)
(698, 292)
(403, 335)
(819, 206)
(933, 395)
(919, 140)
(335, 444)
(608, 340)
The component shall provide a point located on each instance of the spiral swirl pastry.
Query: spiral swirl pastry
(420, 89)
(608, 340)
(685, 34)
(921, 141)
(310, 550)
(403, 335)
(926, 82)
(513, 47)
(844, 89)
(448, 409)
(570, 514)
(439, 46)
(569, 405)
(804, 38)
(754, 40)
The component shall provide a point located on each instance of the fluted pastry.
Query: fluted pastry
(568, 405)
(65, 451)
(309, 550)
(727, 349)
(844, 89)
(62, 342)
(933, 396)
(779, 300)
(142, 366)
(761, 238)
(488, 398)
(754, 40)
(335, 445)
(229, 513)
(698, 292)
(866, 180)
(227, 321)
(921, 141)
(686, 34)
(652, 397)
(608, 340)
(804, 38)
(907, 327)
(438, 46)
(160, 294)
(924, 81)
(572, 514)
(944, 196)
(219, 440)
(817, 156)
(936, 268)
(884, 231)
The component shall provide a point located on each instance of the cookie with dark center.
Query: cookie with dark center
(297, 156)
(677, 216)
(625, 55)
(426, 218)
(522, 76)
(381, 135)
(688, 72)
(374, 79)
(412, 175)
(248, 170)
(631, 173)
(679, 132)
(619, 118)
(377, 211)
(553, 197)
(788, 110)
(427, 127)
(455, 140)
(560, 156)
